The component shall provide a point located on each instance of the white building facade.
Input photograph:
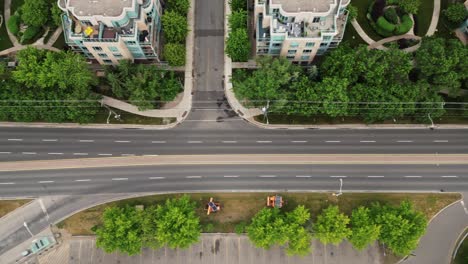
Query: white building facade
(299, 29)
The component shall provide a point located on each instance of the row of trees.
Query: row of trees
(173, 224)
(146, 86)
(373, 85)
(237, 43)
(398, 227)
(174, 22)
(48, 86)
(35, 14)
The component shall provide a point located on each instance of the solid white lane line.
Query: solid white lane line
(6, 183)
(119, 179)
(449, 176)
(267, 176)
(15, 139)
(303, 176)
(333, 141)
(5, 152)
(194, 142)
(440, 141)
(367, 141)
(229, 141)
(230, 176)
(193, 177)
(86, 140)
(263, 141)
(299, 141)
(80, 154)
(405, 141)
(158, 142)
(156, 178)
(122, 141)
(83, 180)
(29, 153)
(55, 153)
(105, 154)
(411, 176)
(45, 181)
(50, 140)
(375, 176)
(338, 176)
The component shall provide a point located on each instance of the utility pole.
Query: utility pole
(27, 228)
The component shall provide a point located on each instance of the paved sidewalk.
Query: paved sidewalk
(435, 18)
(378, 44)
(18, 48)
(361, 32)
(437, 245)
(213, 248)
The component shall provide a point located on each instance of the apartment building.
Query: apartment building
(299, 29)
(112, 30)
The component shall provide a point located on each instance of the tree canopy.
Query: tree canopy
(179, 6)
(174, 53)
(238, 45)
(238, 19)
(410, 6)
(456, 13)
(174, 27)
(363, 229)
(331, 226)
(35, 12)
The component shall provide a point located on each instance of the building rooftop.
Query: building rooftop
(296, 6)
(111, 8)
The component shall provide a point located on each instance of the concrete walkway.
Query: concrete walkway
(361, 32)
(379, 44)
(435, 19)
(18, 48)
(437, 245)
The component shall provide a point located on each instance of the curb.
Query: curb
(93, 126)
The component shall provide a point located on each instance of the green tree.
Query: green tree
(267, 228)
(401, 227)
(120, 230)
(29, 34)
(341, 63)
(13, 24)
(363, 230)
(35, 12)
(410, 6)
(174, 53)
(173, 224)
(299, 239)
(179, 6)
(352, 12)
(56, 13)
(456, 13)
(237, 20)
(333, 96)
(238, 5)
(174, 27)
(331, 226)
(238, 46)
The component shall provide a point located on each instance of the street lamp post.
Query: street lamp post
(341, 188)
(27, 228)
(265, 111)
(432, 122)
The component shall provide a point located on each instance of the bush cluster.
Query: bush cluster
(174, 22)
(237, 43)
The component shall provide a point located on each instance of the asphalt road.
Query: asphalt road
(49, 143)
(234, 177)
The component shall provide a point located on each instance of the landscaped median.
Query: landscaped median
(360, 218)
(7, 206)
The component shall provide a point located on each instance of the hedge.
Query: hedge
(383, 24)
(30, 33)
(13, 24)
(404, 26)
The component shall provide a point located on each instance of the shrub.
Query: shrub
(13, 24)
(174, 53)
(174, 27)
(238, 46)
(391, 15)
(380, 31)
(456, 13)
(378, 9)
(409, 6)
(208, 228)
(383, 24)
(240, 228)
(238, 19)
(404, 26)
(352, 12)
(30, 33)
(179, 6)
(238, 5)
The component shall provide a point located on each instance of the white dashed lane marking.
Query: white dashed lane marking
(45, 181)
(404, 141)
(15, 139)
(156, 178)
(6, 183)
(194, 142)
(375, 176)
(338, 176)
(119, 179)
(158, 142)
(55, 153)
(267, 176)
(193, 177)
(367, 141)
(413, 176)
(230, 176)
(122, 141)
(83, 180)
(29, 153)
(263, 141)
(440, 141)
(5, 152)
(332, 141)
(449, 176)
(299, 141)
(86, 140)
(80, 154)
(104, 154)
(229, 141)
(303, 176)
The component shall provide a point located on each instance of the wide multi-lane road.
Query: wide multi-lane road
(49, 143)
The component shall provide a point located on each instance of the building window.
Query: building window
(102, 55)
(292, 51)
(276, 45)
(275, 10)
(107, 61)
(310, 44)
(323, 44)
(97, 48)
(294, 45)
(316, 20)
(327, 37)
(117, 55)
(290, 57)
(307, 51)
(130, 42)
(113, 49)
(305, 58)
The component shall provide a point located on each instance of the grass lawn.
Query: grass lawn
(352, 37)
(60, 43)
(424, 17)
(7, 206)
(129, 118)
(241, 207)
(15, 5)
(5, 42)
(462, 253)
(362, 6)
